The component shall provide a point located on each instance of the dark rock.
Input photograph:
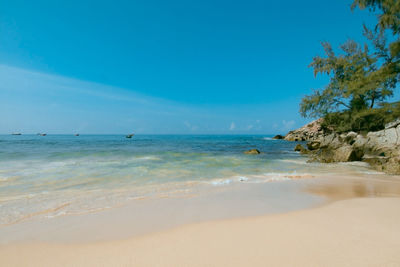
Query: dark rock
(278, 137)
(313, 145)
(252, 152)
(300, 149)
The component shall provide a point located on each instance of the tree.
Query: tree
(360, 77)
(388, 16)
(355, 83)
(388, 19)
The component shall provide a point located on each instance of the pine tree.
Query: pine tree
(362, 77)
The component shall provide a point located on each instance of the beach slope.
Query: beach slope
(355, 232)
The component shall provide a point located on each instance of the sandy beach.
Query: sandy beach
(353, 232)
(200, 133)
(356, 225)
(269, 212)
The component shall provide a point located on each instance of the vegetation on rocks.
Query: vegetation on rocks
(361, 121)
(362, 77)
(357, 121)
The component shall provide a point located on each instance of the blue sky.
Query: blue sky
(163, 67)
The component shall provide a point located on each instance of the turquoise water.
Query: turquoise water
(64, 174)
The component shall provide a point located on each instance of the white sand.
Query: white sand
(354, 232)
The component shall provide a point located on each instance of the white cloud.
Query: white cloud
(190, 126)
(287, 125)
(32, 101)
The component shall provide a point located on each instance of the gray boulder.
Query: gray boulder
(342, 154)
(327, 140)
(350, 137)
(393, 124)
(381, 149)
(347, 153)
(360, 141)
(384, 138)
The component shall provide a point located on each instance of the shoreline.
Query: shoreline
(144, 216)
(207, 203)
(329, 221)
(352, 232)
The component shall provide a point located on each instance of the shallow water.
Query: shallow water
(64, 174)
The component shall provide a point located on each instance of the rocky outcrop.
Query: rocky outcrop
(313, 145)
(252, 152)
(278, 137)
(381, 149)
(336, 154)
(311, 131)
(301, 149)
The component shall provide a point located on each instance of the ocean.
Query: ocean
(55, 175)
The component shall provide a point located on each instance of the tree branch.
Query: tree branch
(342, 103)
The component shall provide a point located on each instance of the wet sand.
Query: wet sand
(352, 222)
(347, 187)
(144, 216)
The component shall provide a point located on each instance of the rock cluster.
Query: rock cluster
(380, 149)
(311, 131)
(300, 149)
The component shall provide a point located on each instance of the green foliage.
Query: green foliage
(361, 121)
(354, 76)
(361, 76)
(389, 16)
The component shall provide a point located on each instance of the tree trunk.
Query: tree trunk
(372, 103)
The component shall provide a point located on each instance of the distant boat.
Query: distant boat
(76, 134)
(16, 134)
(129, 135)
(42, 134)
